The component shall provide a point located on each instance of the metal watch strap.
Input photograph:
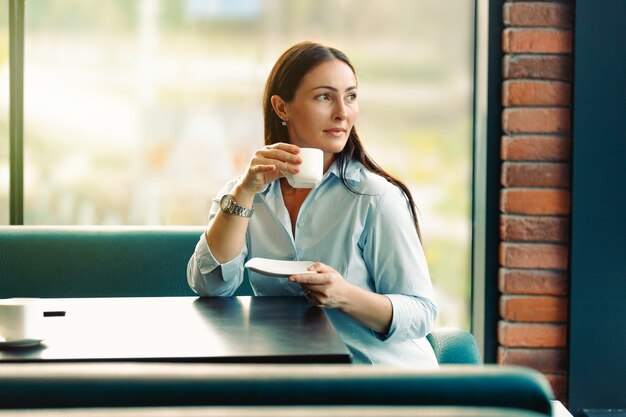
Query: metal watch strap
(236, 209)
(241, 211)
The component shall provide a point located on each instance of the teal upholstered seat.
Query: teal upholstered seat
(454, 346)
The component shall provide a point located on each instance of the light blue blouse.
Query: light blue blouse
(369, 238)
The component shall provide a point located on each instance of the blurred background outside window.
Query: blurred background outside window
(138, 111)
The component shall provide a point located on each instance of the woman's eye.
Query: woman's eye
(352, 97)
(323, 97)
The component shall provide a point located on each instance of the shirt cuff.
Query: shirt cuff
(400, 319)
(207, 262)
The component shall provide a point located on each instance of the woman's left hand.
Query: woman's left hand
(326, 288)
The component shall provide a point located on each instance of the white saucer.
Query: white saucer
(276, 268)
(18, 342)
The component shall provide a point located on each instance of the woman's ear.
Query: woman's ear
(279, 106)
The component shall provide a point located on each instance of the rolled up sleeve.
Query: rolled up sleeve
(207, 277)
(403, 323)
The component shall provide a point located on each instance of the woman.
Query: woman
(359, 223)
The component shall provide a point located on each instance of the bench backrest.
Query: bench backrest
(65, 261)
(155, 385)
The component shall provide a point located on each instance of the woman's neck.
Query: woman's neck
(293, 198)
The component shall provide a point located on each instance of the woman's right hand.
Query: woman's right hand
(268, 164)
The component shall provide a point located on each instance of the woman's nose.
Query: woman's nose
(340, 111)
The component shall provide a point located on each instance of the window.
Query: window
(137, 112)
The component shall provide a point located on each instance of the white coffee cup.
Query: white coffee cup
(311, 169)
(20, 319)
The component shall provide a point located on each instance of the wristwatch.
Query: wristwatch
(230, 206)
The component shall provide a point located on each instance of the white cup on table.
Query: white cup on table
(311, 169)
(21, 319)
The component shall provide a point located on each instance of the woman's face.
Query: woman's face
(324, 109)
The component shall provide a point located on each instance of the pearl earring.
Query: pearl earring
(284, 123)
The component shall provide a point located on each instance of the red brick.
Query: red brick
(543, 360)
(534, 228)
(536, 148)
(537, 14)
(536, 93)
(558, 383)
(535, 174)
(535, 201)
(546, 67)
(533, 256)
(546, 41)
(540, 335)
(533, 308)
(536, 120)
(532, 281)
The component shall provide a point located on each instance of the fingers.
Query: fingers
(318, 296)
(258, 169)
(321, 286)
(283, 156)
(285, 159)
(270, 163)
(320, 268)
(285, 152)
(316, 277)
(283, 166)
(288, 147)
(310, 293)
(310, 279)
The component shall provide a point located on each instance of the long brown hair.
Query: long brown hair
(284, 80)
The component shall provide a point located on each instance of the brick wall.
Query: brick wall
(535, 196)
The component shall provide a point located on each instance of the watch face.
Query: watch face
(225, 201)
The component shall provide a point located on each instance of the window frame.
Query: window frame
(16, 111)
(487, 131)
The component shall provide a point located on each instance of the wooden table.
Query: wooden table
(185, 329)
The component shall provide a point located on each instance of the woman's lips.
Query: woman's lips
(335, 131)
